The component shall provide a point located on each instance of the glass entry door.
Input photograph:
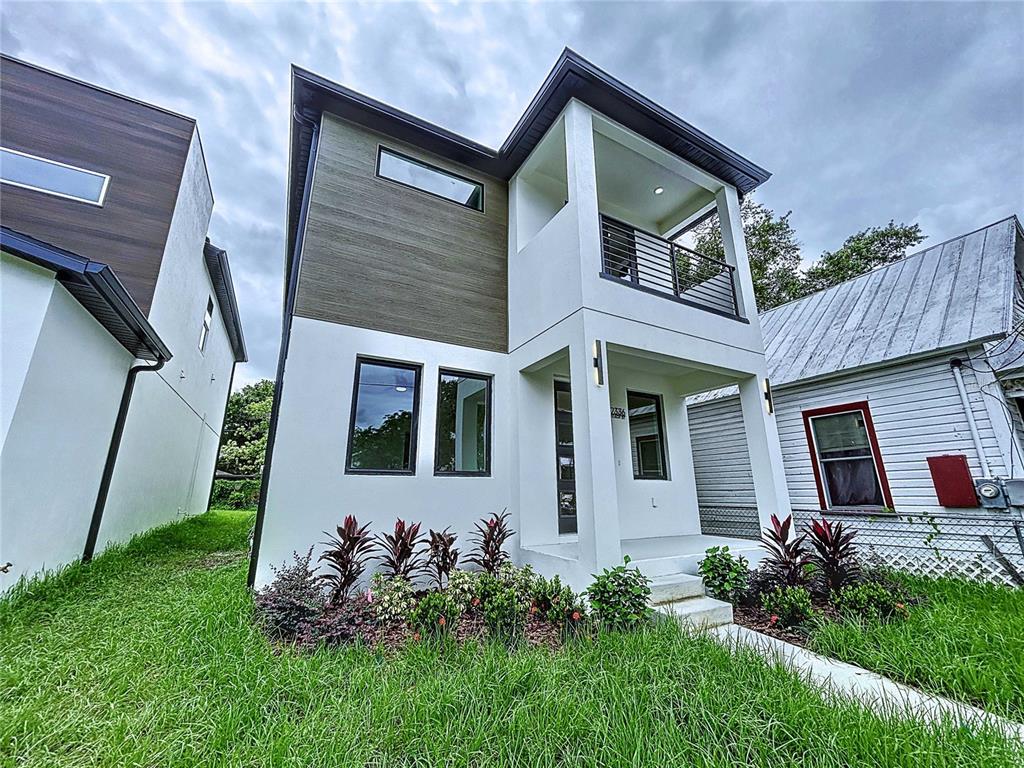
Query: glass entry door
(565, 458)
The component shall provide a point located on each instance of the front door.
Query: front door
(565, 458)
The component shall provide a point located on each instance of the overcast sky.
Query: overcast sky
(863, 112)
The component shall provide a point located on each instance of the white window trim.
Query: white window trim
(43, 190)
(821, 462)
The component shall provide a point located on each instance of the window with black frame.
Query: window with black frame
(647, 436)
(463, 424)
(385, 412)
(414, 173)
(842, 444)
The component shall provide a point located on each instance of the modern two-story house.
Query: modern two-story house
(120, 328)
(470, 330)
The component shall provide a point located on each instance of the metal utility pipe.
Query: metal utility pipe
(956, 365)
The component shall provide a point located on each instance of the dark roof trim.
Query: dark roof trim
(572, 77)
(220, 273)
(95, 286)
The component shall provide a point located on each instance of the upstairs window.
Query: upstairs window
(426, 178)
(463, 424)
(845, 456)
(52, 178)
(385, 414)
(647, 435)
(204, 332)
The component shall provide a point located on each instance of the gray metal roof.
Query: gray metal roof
(950, 295)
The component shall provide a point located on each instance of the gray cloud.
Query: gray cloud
(864, 112)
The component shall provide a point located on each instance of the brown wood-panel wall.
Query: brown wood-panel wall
(142, 148)
(380, 255)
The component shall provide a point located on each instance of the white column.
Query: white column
(766, 466)
(597, 507)
(582, 180)
(731, 223)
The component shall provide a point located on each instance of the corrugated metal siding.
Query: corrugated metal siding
(916, 412)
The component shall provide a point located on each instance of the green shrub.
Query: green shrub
(725, 575)
(291, 601)
(556, 602)
(391, 598)
(502, 607)
(791, 605)
(619, 597)
(870, 600)
(435, 614)
(236, 494)
(462, 587)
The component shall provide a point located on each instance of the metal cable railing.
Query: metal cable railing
(654, 264)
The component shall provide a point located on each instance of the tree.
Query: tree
(862, 252)
(246, 426)
(772, 249)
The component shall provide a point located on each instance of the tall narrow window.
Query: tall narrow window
(565, 458)
(385, 413)
(647, 437)
(426, 178)
(50, 177)
(845, 456)
(204, 332)
(463, 424)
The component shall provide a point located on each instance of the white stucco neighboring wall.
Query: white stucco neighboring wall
(58, 437)
(25, 291)
(166, 461)
(309, 491)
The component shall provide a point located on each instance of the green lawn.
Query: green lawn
(148, 657)
(965, 641)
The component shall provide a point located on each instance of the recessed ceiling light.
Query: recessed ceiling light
(658, 190)
(401, 389)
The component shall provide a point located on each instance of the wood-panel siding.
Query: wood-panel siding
(916, 411)
(141, 148)
(383, 256)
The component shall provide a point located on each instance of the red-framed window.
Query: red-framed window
(847, 462)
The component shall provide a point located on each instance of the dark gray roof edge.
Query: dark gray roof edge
(312, 94)
(127, 322)
(219, 267)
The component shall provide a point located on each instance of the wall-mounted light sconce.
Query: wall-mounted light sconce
(769, 403)
(598, 364)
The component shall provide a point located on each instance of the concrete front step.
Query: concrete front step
(673, 587)
(698, 612)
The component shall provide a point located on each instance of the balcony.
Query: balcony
(652, 264)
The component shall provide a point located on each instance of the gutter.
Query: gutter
(112, 451)
(286, 333)
(956, 366)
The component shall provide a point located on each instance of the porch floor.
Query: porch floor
(660, 555)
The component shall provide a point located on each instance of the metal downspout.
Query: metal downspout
(956, 366)
(112, 451)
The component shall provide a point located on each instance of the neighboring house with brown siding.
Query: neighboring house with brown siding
(877, 378)
(120, 329)
(469, 330)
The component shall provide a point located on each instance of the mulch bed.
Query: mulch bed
(756, 618)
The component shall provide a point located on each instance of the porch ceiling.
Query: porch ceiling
(689, 376)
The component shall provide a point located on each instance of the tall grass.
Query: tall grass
(965, 641)
(149, 657)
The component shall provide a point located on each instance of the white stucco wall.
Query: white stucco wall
(309, 492)
(58, 437)
(25, 292)
(166, 461)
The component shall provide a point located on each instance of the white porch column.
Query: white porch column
(731, 223)
(597, 506)
(766, 466)
(581, 169)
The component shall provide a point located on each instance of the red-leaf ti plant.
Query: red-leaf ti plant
(442, 556)
(491, 535)
(834, 553)
(346, 555)
(787, 557)
(401, 557)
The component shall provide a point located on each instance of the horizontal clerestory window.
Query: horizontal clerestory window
(384, 421)
(27, 171)
(419, 175)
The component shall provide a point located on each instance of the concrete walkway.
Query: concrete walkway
(881, 694)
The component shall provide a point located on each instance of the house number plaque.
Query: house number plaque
(618, 413)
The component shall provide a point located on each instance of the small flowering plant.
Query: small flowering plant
(435, 614)
(390, 598)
